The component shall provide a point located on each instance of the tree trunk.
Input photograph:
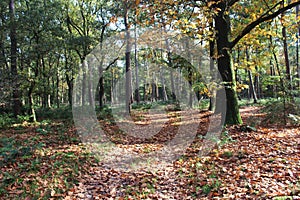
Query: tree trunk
(84, 78)
(137, 83)
(257, 84)
(31, 104)
(70, 88)
(252, 89)
(225, 67)
(90, 86)
(101, 90)
(190, 74)
(128, 87)
(170, 65)
(162, 77)
(13, 54)
(57, 89)
(212, 99)
(286, 58)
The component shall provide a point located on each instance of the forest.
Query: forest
(136, 99)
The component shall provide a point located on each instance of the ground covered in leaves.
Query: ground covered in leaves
(48, 161)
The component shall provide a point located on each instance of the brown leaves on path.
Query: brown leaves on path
(246, 164)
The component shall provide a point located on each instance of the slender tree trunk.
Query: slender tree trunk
(153, 91)
(70, 88)
(173, 91)
(136, 61)
(190, 74)
(128, 86)
(222, 25)
(257, 84)
(90, 86)
(286, 58)
(100, 71)
(84, 79)
(101, 89)
(252, 89)
(57, 89)
(13, 54)
(31, 101)
(281, 82)
(212, 100)
(272, 87)
(162, 77)
(286, 54)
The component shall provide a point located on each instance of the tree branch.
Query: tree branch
(113, 62)
(232, 2)
(261, 19)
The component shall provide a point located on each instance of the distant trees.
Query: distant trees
(45, 43)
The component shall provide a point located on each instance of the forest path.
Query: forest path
(249, 164)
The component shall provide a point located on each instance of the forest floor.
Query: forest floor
(48, 161)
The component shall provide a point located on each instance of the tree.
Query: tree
(13, 60)
(128, 86)
(223, 27)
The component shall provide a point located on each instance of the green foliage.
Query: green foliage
(214, 185)
(204, 104)
(225, 138)
(6, 120)
(54, 113)
(11, 149)
(281, 112)
(227, 154)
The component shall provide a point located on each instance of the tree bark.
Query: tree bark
(162, 77)
(225, 67)
(13, 54)
(128, 86)
(136, 61)
(252, 88)
(212, 99)
(286, 59)
(84, 79)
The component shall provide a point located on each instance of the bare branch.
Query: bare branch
(113, 62)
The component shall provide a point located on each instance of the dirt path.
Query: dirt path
(258, 164)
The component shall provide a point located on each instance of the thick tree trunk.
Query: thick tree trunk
(225, 67)
(13, 54)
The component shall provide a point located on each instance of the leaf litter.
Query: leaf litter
(260, 163)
